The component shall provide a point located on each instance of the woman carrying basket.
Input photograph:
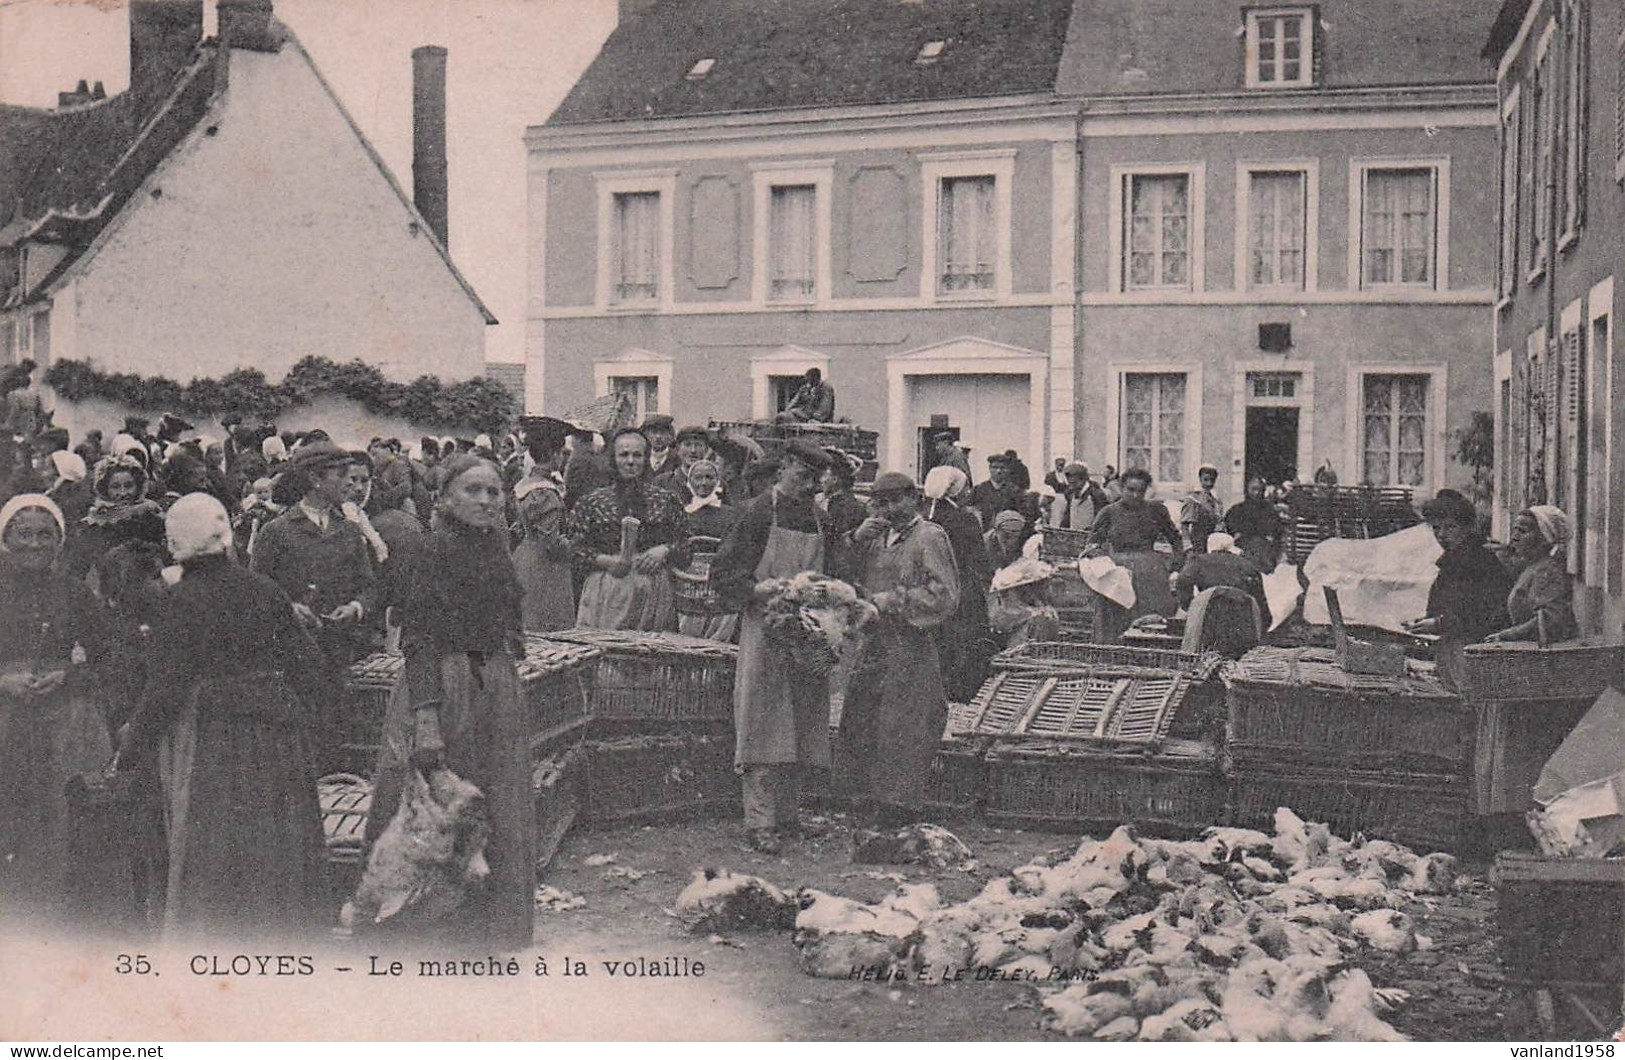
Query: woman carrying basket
(781, 713)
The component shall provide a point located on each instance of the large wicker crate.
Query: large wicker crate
(1060, 546)
(1528, 671)
(554, 679)
(1126, 705)
(658, 678)
(660, 777)
(1295, 706)
(957, 786)
(1199, 714)
(1046, 784)
(1560, 918)
(345, 800)
(1320, 512)
(1427, 811)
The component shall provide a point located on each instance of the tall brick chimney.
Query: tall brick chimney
(162, 36)
(429, 190)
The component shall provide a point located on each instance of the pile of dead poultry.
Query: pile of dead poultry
(1236, 936)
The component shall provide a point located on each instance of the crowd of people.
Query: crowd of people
(183, 610)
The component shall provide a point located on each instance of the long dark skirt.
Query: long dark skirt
(893, 717)
(44, 742)
(487, 736)
(245, 830)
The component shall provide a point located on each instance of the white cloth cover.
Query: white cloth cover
(1383, 582)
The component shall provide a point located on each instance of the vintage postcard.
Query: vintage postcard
(841, 520)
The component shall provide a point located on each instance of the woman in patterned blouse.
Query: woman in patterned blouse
(622, 592)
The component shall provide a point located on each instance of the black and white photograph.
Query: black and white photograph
(812, 520)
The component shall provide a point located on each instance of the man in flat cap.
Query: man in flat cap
(321, 559)
(895, 704)
(693, 445)
(781, 713)
(661, 435)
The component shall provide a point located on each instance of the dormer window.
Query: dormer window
(930, 52)
(1280, 48)
(698, 71)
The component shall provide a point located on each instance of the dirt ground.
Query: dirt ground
(1455, 990)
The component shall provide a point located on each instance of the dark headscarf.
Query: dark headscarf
(462, 591)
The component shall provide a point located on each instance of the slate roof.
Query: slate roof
(1181, 47)
(776, 54)
(66, 174)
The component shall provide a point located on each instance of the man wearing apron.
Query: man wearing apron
(781, 713)
(896, 706)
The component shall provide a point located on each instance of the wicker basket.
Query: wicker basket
(1528, 671)
(661, 777)
(555, 680)
(662, 678)
(1043, 784)
(1294, 706)
(957, 786)
(345, 800)
(1066, 589)
(1072, 656)
(1426, 811)
(1560, 919)
(1062, 546)
(692, 584)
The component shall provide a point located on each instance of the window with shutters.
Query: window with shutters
(967, 230)
(792, 242)
(1619, 105)
(1569, 480)
(1280, 48)
(1153, 426)
(1511, 155)
(1395, 429)
(1575, 124)
(635, 238)
(637, 247)
(1399, 225)
(1536, 419)
(1543, 119)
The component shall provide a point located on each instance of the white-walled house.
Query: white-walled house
(226, 212)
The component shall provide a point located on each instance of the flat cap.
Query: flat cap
(888, 483)
(807, 453)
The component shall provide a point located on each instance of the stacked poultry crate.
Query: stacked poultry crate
(1318, 512)
(661, 739)
(555, 681)
(1072, 600)
(1386, 756)
(772, 437)
(1081, 735)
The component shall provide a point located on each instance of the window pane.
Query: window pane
(1158, 231)
(966, 231)
(1399, 232)
(1276, 215)
(791, 233)
(637, 231)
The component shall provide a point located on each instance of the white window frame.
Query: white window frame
(1303, 400)
(1438, 411)
(1245, 171)
(1544, 113)
(784, 361)
(1196, 173)
(1116, 373)
(662, 182)
(1600, 306)
(1359, 170)
(998, 163)
(1306, 55)
(636, 364)
(1502, 481)
(765, 176)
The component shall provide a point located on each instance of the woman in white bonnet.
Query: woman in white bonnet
(229, 686)
(50, 727)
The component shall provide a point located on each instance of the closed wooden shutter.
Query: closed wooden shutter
(1619, 106)
(1572, 429)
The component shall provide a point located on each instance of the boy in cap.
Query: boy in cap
(781, 714)
(661, 434)
(895, 704)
